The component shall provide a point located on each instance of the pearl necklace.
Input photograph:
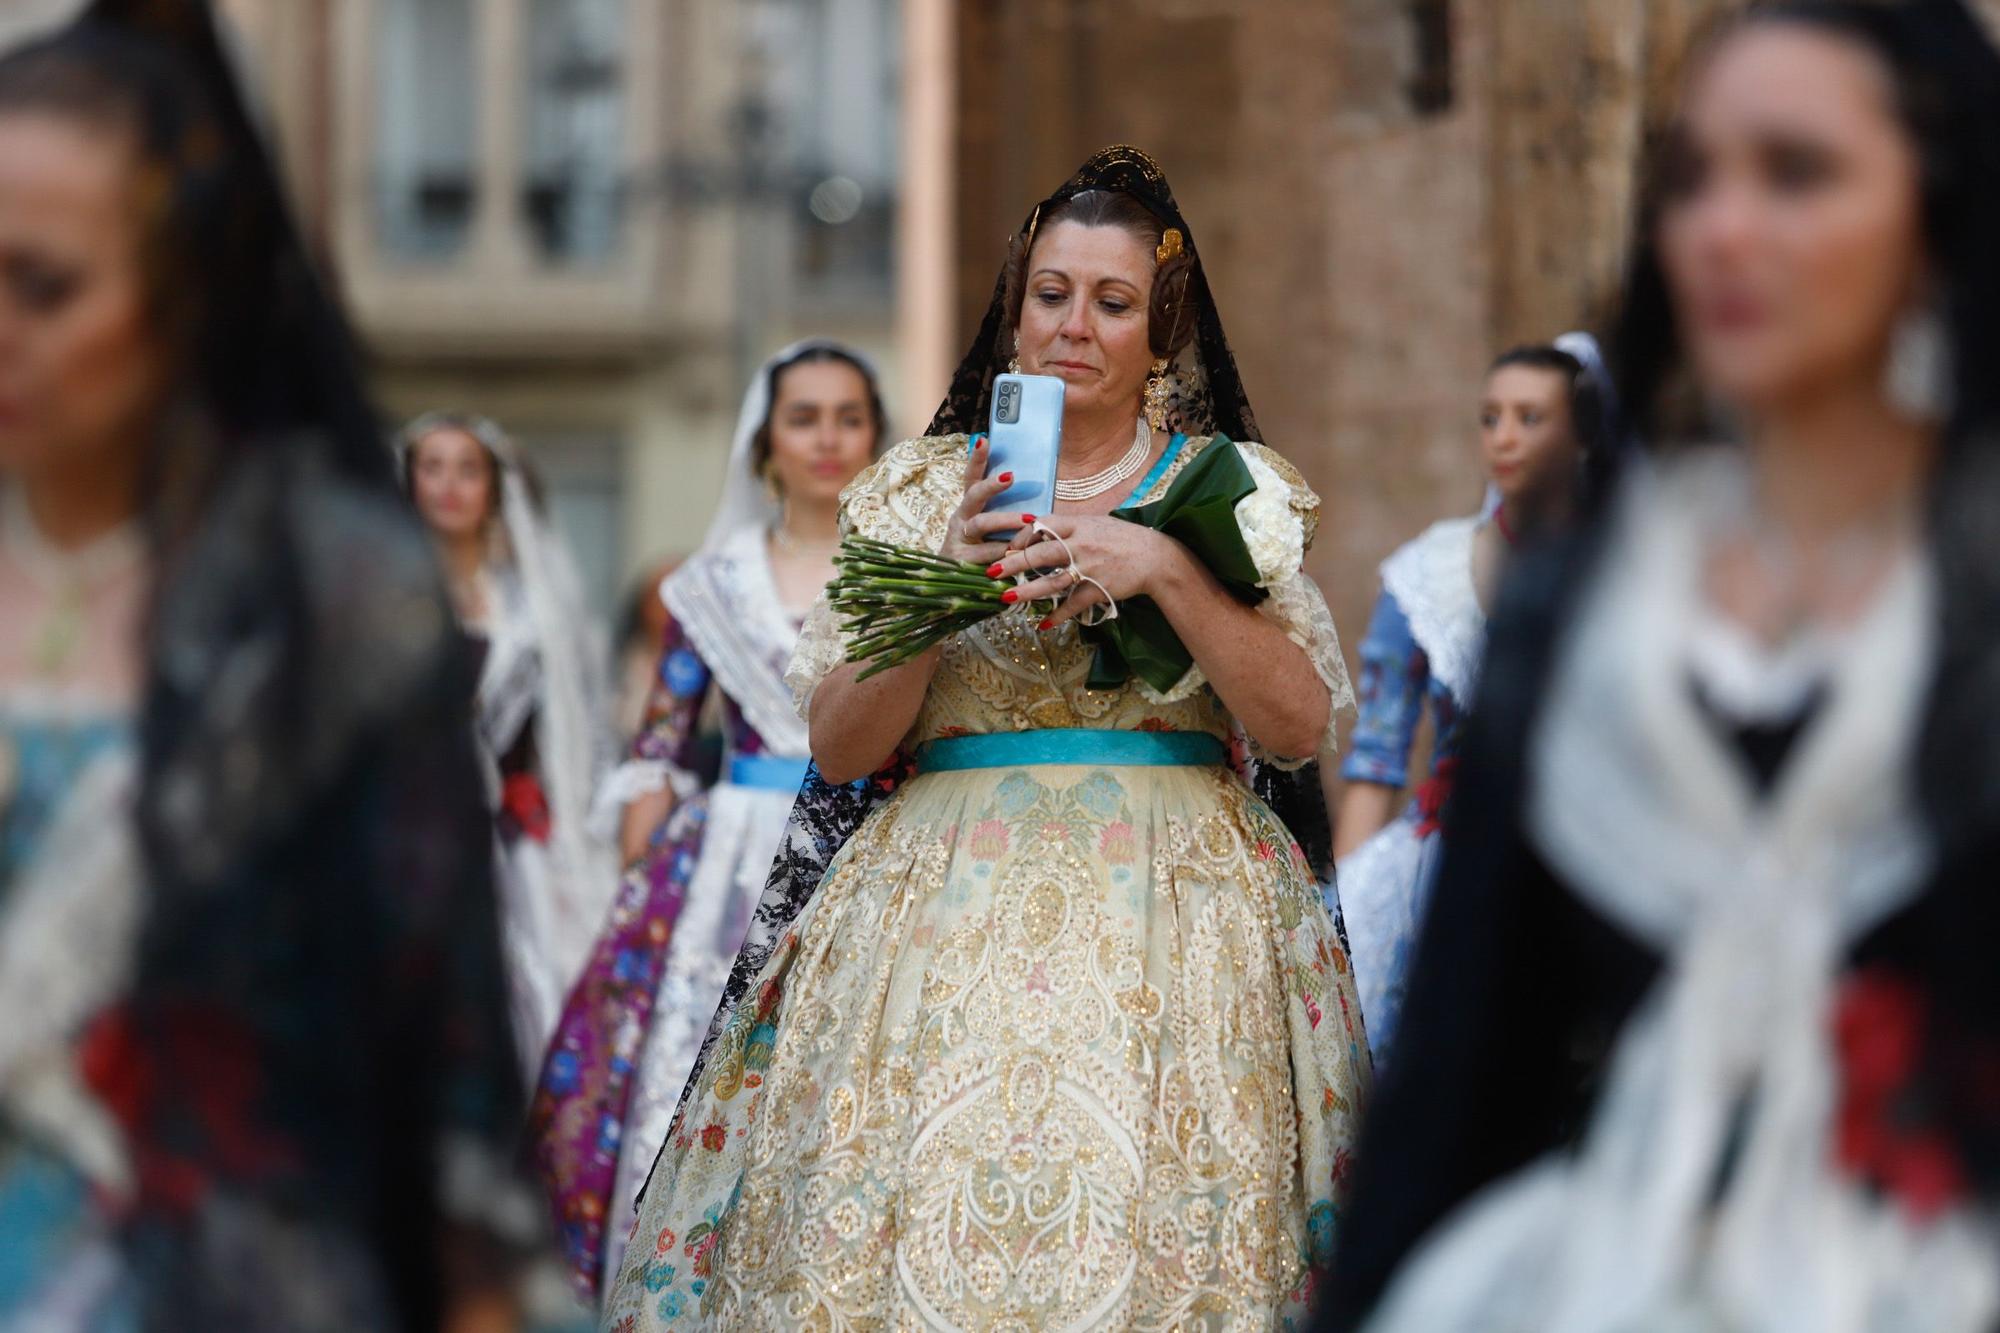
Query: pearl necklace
(1086, 488)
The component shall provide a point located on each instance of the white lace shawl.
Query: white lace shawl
(68, 938)
(727, 601)
(1431, 580)
(1754, 904)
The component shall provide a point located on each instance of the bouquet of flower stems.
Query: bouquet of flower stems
(898, 601)
(1229, 510)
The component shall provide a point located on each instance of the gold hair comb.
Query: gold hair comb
(1171, 244)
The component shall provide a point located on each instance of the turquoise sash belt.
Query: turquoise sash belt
(767, 772)
(1071, 745)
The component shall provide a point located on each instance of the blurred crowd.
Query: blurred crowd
(386, 943)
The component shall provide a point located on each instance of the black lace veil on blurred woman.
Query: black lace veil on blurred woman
(302, 1039)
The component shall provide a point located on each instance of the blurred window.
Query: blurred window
(580, 471)
(573, 192)
(428, 134)
(1430, 86)
(836, 77)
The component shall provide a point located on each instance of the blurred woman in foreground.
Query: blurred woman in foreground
(1705, 1028)
(254, 1068)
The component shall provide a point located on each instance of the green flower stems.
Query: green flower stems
(898, 601)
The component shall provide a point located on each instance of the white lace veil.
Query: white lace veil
(573, 740)
(746, 502)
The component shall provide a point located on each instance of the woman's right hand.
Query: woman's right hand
(968, 536)
(642, 818)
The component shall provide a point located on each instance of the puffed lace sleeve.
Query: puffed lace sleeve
(906, 496)
(1297, 604)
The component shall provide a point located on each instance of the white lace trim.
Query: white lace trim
(1300, 609)
(628, 782)
(67, 943)
(727, 601)
(1754, 902)
(1431, 580)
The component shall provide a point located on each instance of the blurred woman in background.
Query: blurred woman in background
(699, 845)
(1541, 431)
(542, 710)
(254, 1066)
(1705, 1028)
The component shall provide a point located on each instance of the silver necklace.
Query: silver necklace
(72, 578)
(1086, 488)
(790, 545)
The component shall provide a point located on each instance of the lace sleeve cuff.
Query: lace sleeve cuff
(906, 496)
(1299, 608)
(631, 780)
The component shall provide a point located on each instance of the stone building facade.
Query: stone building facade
(1387, 193)
(589, 219)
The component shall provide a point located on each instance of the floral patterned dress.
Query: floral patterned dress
(1054, 1046)
(1422, 649)
(634, 1022)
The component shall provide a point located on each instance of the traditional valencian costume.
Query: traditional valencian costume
(540, 717)
(1064, 1036)
(254, 1063)
(1659, 1068)
(636, 1020)
(1422, 647)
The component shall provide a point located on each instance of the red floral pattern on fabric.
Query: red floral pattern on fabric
(1885, 1133)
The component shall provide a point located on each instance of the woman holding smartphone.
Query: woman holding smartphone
(1065, 1036)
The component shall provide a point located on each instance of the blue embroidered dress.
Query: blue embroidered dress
(1422, 649)
(67, 911)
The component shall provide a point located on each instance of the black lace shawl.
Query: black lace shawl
(316, 1023)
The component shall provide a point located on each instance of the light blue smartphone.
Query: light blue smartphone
(1024, 436)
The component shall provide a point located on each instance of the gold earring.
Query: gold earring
(1159, 395)
(1014, 361)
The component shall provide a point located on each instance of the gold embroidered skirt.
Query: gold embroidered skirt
(1053, 1047)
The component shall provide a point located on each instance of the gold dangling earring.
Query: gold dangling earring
(1014, 361)
(1159, 395)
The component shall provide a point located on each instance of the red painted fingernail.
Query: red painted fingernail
(993, 570)
(1050, 623)
(1010, 597)
(1006, 477)
(1027, 518)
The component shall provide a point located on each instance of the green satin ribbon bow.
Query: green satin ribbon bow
(1199, 512)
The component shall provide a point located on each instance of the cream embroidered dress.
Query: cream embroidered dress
(1056, 1045)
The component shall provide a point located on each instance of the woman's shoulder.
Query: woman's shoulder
(1271, 469)
(907, 495)
(1444, 538)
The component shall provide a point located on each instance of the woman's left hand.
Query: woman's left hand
(1122, 559)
